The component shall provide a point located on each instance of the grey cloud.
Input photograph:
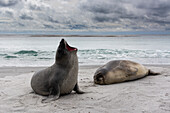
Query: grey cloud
(77, 26)
(37, 6)
(105, 18)
(20, 24)
(7, 12)
(106, 11)
(7, 3)
(48, 26)
(87, 14)
(156, 8)
(161, 22)
(97, 7)
(157, 11)
(34, 7)
(101, 19)
(52, 20)
(167, 29)
(128, 12)
(26, 17)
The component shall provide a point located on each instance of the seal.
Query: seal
(117, 71)
(60, 78)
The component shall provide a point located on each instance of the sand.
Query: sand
(148, 95)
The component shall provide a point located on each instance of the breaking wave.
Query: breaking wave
(87, 56)
(28, 52)
(93, 54)
(123, 53)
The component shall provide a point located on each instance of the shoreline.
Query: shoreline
(14, 70)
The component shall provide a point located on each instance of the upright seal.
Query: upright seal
(60, 78)
(119, 71)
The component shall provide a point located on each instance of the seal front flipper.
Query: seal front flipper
(77, 90)
(54, 94)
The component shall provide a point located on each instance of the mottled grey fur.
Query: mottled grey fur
(61, 77)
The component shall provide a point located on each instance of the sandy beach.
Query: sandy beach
(148, 95)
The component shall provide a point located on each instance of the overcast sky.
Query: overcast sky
(85, 15)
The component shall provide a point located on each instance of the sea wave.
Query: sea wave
(91, 54)
(123, 53)
(9, 57)
(86, 56)
(28, 52)
(3, 54)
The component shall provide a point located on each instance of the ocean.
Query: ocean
(24, 50)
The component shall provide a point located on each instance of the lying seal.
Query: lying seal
(61, 77)
(119, 71)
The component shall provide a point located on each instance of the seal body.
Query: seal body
(61, 77)
(119, 71)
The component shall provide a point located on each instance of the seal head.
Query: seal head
(99, 76)
(64, 51)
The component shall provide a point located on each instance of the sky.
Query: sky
(85, 15)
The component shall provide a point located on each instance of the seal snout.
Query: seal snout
(62, 40)
(98, 78)
(65, 45)
(62, 44)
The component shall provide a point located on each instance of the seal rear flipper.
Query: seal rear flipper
(54, 94)
(77, 90)
(152, 73)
